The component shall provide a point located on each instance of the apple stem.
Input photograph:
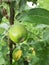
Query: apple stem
(14, 46)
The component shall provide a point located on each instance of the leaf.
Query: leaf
(44, 4)
(5, 26)
(0, 46)
(2, 30)
(2, 61)
(46, 35)
(15, 63)
(3, 43)
(43, 56)
(22, 2)
(36, 15)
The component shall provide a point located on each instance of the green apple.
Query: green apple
(18, 33)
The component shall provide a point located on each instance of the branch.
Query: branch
(12, 13)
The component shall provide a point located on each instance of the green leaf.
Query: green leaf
(46, 35)
(0, 46)
(43, 56)
(22, 2)
(36, 15)
(2, 30)
(15, 63)
(2, 61)
(44, 4)
(3, 43)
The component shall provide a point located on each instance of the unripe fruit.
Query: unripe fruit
(18, 33)
(17, 54)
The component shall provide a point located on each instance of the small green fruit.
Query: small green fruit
(17, 54)
(18, 33)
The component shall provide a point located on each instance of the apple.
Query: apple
(17, 33)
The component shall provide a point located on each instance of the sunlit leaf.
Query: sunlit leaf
(37, 15)
(44, 4)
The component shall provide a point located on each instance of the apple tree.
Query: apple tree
(24, 32)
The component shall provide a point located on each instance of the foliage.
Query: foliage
(35, 49)
(45, 5)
